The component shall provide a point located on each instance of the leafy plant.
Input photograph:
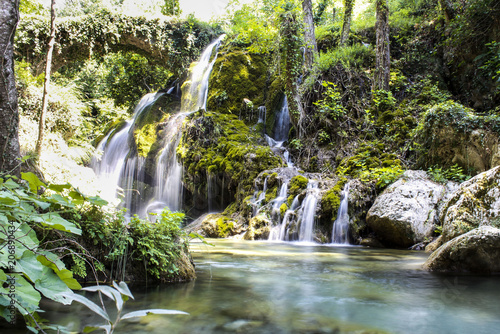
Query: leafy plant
(119, 293)
(330, 105)
(28, 270)
(454, 173)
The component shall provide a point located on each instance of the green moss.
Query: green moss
(237, 75)
(145, 138)
(330, 201)
(283, 209)
(297, 184)
(224, 227)
(271, 194)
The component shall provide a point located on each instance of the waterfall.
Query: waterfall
(308, 213)
(114, 168)
(119, 170)
(169, 171)
(281, 129)
(278, 232)
(278, 201)
(256, 201)
(341, 224)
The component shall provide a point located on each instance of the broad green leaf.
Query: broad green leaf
(96, 200)
(50, 260)
(26, 295)
(10, 184)
(61, 200)
(51, 286)
(67, 277)
(3, 276)
(59, 187)
(122, 287)
(77, 196)
(8, 199)
(57, 222)
(108, 291)
(3, 219)
(33, 181)
(29, 266)
(88, 303)
(143, 313)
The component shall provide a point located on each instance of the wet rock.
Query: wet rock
(475, 203)
(477, 251)
(406, 213)
(370, 242)
(258, 228)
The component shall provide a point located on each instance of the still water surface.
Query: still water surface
(262, 287)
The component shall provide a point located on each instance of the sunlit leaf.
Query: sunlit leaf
(108, 291)
(143, 313)
(33, 181)
(122, 287)
(88, 303)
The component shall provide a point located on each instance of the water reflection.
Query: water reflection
(258, 287)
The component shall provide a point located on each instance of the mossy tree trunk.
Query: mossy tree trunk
(48, 64)
(291, 56)
(309, 35)
(346, 26)
(9, 114)
(447, 9)
(383, 58)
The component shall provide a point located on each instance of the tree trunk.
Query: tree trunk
(447, 9)
(309, 36)
(346, 26)
(48, 63)
(9, 114)
(383, 58)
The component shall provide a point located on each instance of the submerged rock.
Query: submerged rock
(407, 212)
(477, 251)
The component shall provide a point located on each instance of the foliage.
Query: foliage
(350, 56)
(330, 106)
(155, 246)
(120, 294)
(383, 100)
(371, 164)
(172, 44)
(31, 7)
(171, 8)
(28, 266)
(491, 62)
(453, 173)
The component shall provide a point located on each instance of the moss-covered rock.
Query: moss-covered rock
(449, 134)
(258, 228)
(475, 203)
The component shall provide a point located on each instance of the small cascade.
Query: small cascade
(278, 201)
(211, 192)
(262, 115)
(279, 232)
(256, 201)
(281, 129)
(341, 224)
(195, 97)
(308, 212)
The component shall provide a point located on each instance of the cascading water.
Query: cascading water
(281, 129)
(278, 232)
(257, 200)
(308, 212)
(114, 167)
(118, 168)
(341, 224)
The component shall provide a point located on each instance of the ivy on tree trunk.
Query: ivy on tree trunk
(383, 58)
(346, 26)
(309, 36)
(9, 114)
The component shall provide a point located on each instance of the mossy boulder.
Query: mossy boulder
(475, 203)
(218, 226)
(476, 251)
(450, 134)
(238, 76)
(258, 228)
